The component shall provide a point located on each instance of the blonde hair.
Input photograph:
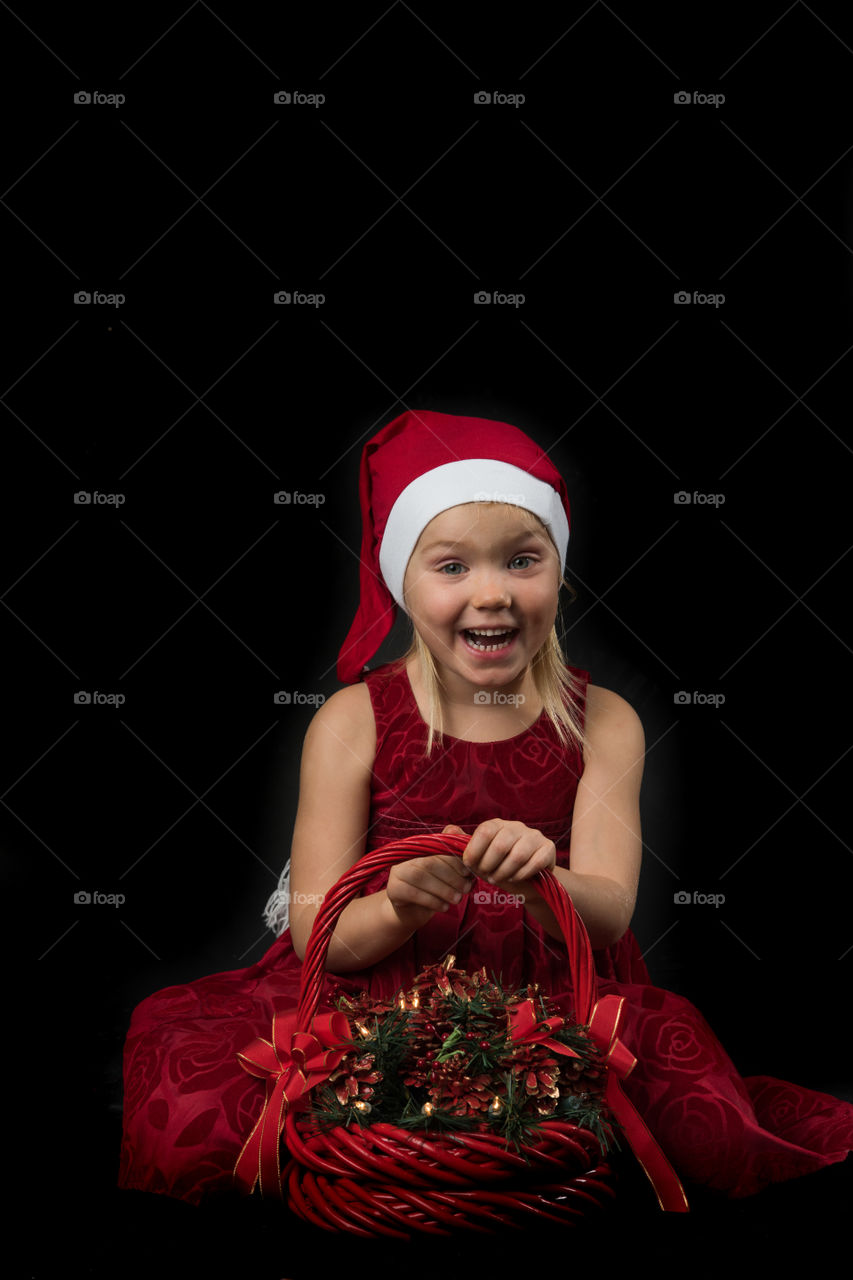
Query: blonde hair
(559, 690)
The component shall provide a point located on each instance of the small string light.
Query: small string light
(362, 1106)
(362, 1029)
(416, 1001)
(495, 1106)
(427, 1109)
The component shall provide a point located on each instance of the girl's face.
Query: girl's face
(482, 568)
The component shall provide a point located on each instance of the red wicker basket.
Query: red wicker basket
(383, 1180)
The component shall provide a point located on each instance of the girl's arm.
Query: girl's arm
(330, 835)
(606, 843)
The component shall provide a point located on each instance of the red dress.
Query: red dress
(189, 1106)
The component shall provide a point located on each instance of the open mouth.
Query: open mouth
(490, 639)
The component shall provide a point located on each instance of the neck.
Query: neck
(510, 708)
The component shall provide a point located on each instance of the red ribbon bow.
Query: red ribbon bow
(524, 1028)
(603, 1027)
(292, 1064)
(295, 1061)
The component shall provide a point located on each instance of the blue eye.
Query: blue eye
(529, 560)
(453, 565)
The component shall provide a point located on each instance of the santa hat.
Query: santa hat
(418, 466)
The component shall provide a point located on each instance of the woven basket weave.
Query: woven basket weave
(383, 1180)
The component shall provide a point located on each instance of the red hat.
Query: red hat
(418, 466)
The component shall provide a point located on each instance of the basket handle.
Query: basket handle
(581, 961)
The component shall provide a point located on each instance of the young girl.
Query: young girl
(481, 729)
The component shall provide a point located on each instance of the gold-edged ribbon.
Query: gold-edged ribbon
(294, 1061)
(526, 1029)
(603, 1029)
(291, 1064)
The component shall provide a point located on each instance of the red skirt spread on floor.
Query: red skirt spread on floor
(189, 1106)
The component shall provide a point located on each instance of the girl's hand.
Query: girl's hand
(419, 888)
(503, 852)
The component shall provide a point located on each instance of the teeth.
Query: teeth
(476, 634)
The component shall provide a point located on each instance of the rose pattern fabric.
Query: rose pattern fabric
(189, 1106)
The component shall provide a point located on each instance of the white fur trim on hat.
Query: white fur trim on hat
(451, 485)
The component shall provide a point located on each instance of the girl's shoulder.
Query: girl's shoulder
(346, 719)
(610, 720)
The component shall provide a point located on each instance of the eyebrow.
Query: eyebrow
(451, 545)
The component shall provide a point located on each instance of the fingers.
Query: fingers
(500, 850)
(453, 872)
(541, 860)
(454, 866)
(436, 883)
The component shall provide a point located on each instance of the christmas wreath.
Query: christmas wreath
(456, 1105)
(457, 1052)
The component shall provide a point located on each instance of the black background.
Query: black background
(198, 398)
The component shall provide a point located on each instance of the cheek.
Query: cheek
(542, 601)
(544, 614)
(430, 603)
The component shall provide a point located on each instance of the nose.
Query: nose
(490, 590)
